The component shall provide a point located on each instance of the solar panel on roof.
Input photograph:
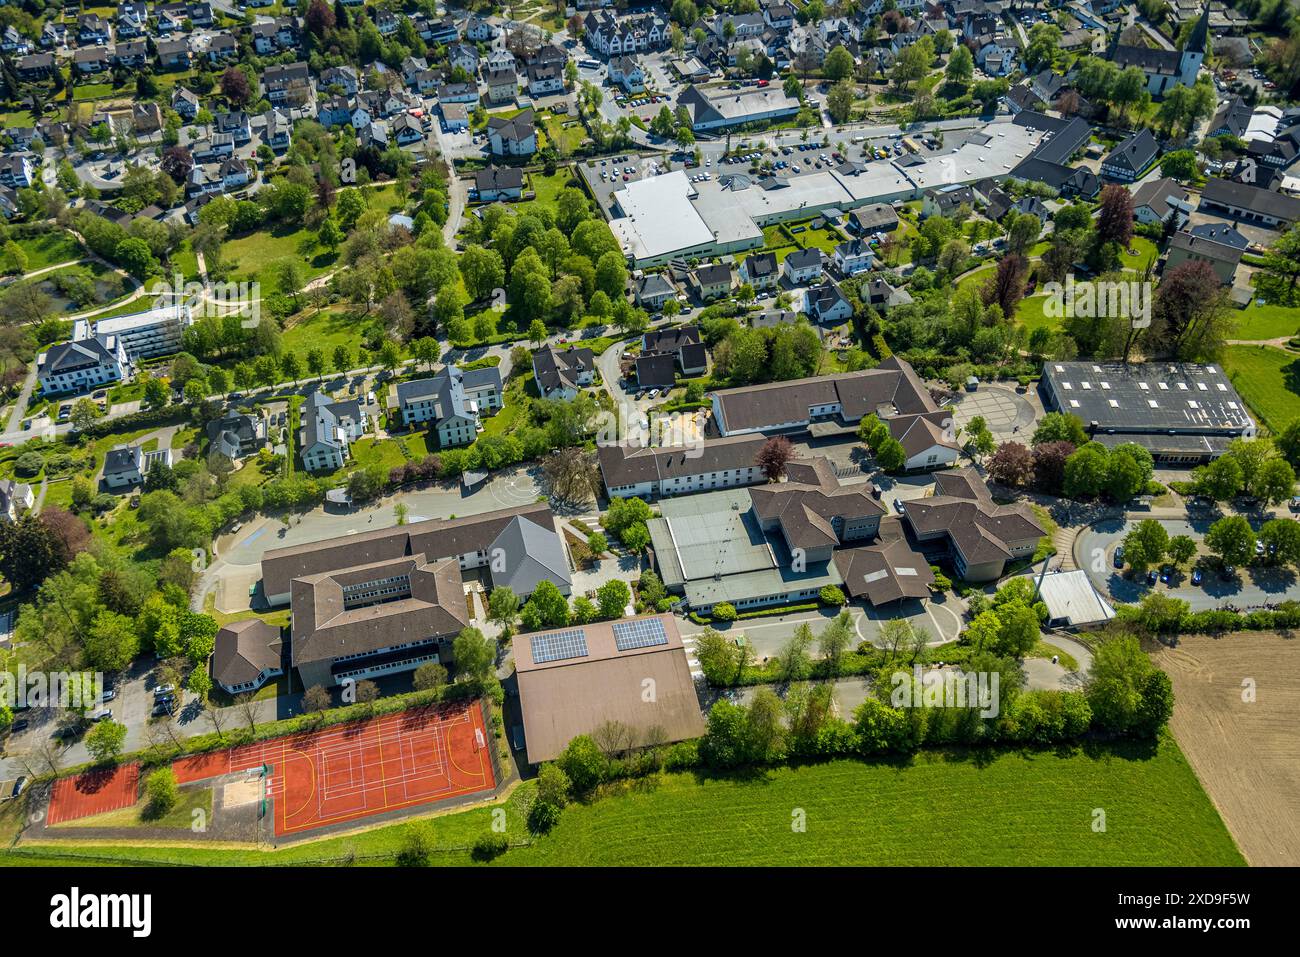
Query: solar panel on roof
(643, 633)
(558, 646)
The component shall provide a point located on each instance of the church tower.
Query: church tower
(1194, 53)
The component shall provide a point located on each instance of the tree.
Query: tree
(891, 455)
(613, 597)
(1182, 549)
(839, 101)
(961, 67)
(1119, 681)
(1281, 540)
(1019, 631)
(316, 700)
(1115, 216)
(1145, 545)
(235, 87)
(84, 413)
(838, 64)
(832, 595)
(430, 676)
(1190, 315)
(503, 607)
(1012, 464)
(551, 606)
(583, 763)
(160, 787)
(979, 440)
(1220, 480)
(773, 457)
(106, 740)
(1060, 427)
(1232, 539)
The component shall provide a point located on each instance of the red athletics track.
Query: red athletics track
(355, 770)
(93, 792)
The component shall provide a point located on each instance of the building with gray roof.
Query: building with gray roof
(1183, 413)
(962, 523)
(246, 655)
(452, 402)
(659, 472)
(469, 540)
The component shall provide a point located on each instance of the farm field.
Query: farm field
(1245, 753)
(1030, 808)
(1268, 379)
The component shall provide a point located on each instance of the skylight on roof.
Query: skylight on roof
(1153, 403)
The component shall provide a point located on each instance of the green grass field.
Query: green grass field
(1032, 808)
(1267, 322)
(1268, 379)
(50, 249)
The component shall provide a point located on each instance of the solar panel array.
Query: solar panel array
(643, 633)
(559, 646)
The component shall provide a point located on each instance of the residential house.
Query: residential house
(15, 498)
(288, 84)
(497, 183)
(1161, 201)
(513, 136)
(1131, 158)
(760, 271)
(684, 343)
(711, 281)
(237, 435)
(853, 257)
(827, 305)
(453, 402)
(802, 267)
(82, 365)
(1215, 243)
(563, 373)
(653, 290)
(502, 85)
(324, 441)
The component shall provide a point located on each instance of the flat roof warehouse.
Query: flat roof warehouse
(666, 217)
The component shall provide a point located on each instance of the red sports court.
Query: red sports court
(93, 792)
(359, 769)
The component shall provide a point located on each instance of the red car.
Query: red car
(762, 83)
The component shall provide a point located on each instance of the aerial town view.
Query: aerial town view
(687, 433)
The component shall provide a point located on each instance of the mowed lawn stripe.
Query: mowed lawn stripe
(1017, 809)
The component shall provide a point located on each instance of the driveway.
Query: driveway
(941, 619)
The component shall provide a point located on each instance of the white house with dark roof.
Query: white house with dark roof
(82, 365)
(513, 136)
(453, 402)
(563, 373)
(15, 498)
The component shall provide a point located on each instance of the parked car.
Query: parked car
(1166, 573)
(163, 690)
(1119, 557)
(1151, 577)
(1196, 576)
(103, 714)
(1227, 573)
(162, 708)
(20, 785)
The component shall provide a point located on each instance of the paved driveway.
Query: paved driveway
(1252, 586)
